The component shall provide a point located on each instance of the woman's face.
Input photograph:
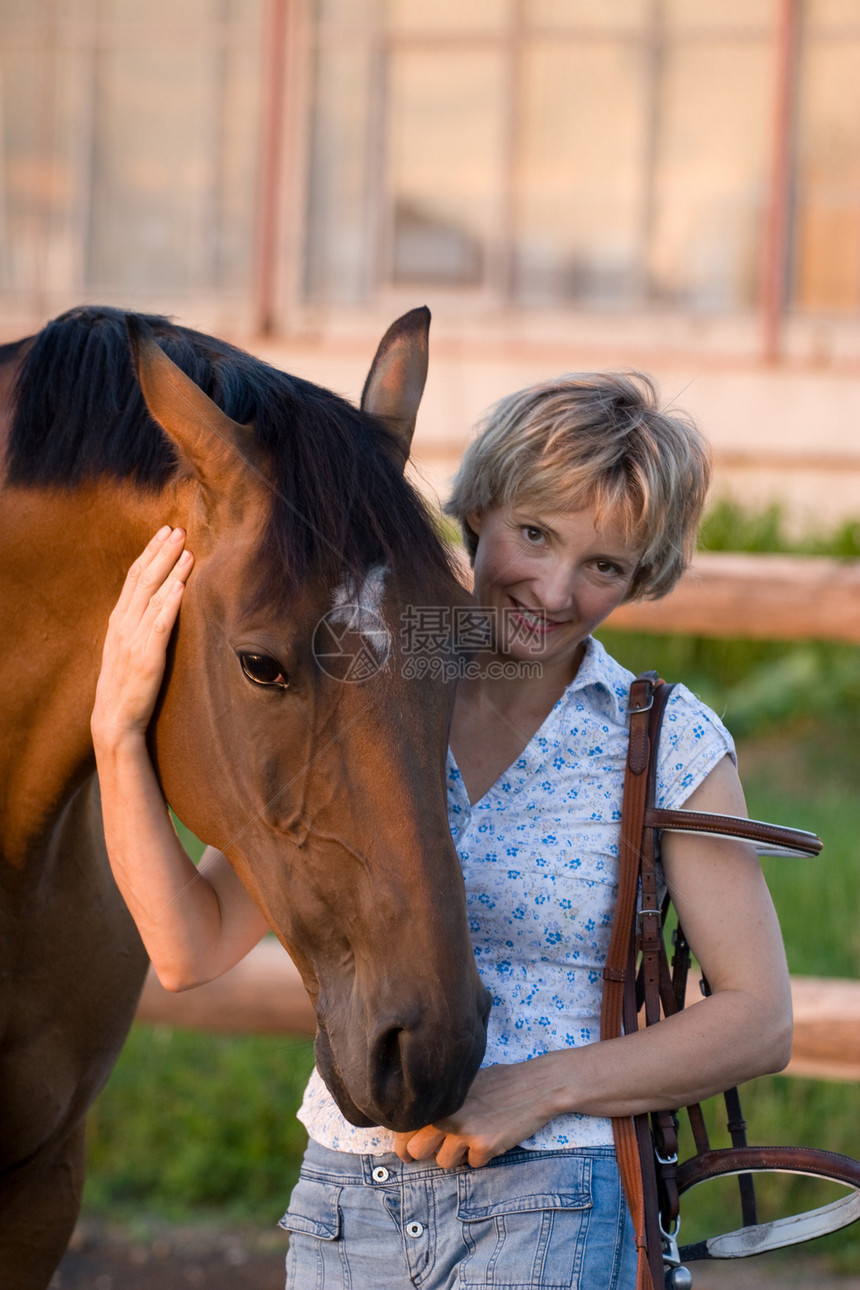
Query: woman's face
(549, 578)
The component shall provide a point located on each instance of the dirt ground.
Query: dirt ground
(164, 1257)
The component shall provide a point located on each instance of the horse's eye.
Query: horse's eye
(262, 669)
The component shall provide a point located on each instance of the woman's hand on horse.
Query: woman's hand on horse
(139, 628)
(504, 1105)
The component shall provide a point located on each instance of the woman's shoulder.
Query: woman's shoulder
(693, 740)
(600, 668)
(684, 708)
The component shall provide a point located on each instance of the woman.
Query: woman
(578, 494)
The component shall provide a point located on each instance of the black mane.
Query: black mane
(339, 501)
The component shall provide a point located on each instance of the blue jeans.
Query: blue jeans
(529, 1220)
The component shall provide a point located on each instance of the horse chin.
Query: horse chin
(327, 1068)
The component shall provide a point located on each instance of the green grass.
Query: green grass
(807, 775)
(755, 686)
(728, 527)
(193, 1122)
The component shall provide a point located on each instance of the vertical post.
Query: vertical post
(270, 163)
(502, 259)
(654, 51)
(777, 227)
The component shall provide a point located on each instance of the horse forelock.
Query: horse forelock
(339, 502)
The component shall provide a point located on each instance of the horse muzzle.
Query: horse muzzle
(408, 1072)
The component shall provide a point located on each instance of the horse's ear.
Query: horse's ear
(215, 449)
(397, 375)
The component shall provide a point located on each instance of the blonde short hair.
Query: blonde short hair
(594, 439)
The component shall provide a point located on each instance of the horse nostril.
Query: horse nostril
(389, 1079)
(387, 1054)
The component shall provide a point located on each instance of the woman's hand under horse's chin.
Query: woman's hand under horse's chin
(505, 1105)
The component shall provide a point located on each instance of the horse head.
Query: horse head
(289, 736)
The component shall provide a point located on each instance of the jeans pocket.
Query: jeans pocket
(525, 1225)
(313, 1216)
(314, 1210)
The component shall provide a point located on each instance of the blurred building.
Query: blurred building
(672, 184)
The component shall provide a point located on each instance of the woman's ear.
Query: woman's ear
(471, 531)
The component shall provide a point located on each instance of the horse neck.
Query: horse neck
(63, 557)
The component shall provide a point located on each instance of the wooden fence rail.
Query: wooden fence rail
(264, 995)
(764, 597)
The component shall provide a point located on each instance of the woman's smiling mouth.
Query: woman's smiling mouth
(533, 620)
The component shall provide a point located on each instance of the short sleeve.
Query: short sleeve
(693, 741)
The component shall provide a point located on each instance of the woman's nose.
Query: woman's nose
(556, 589)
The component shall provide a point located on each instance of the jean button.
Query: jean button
(380, 1174)
(414, 1229)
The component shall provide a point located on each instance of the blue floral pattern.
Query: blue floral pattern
(539, 854)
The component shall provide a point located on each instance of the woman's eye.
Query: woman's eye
(532, 534)
(262, 669)
(607, 567)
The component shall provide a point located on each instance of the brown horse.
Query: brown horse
(286, 734)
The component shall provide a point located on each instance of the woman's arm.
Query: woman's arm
(195, 923)
(742, 1030)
